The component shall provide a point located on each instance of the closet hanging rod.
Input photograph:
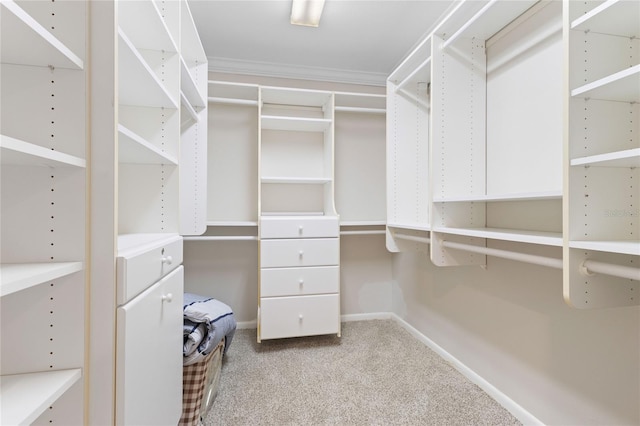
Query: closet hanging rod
(414, 238)
(413, 73)
(591, 267)
(470, 22)
(360, 109)
(505, 254)
(222, 238)
(232, 101)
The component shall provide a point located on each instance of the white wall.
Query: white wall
(509, 324)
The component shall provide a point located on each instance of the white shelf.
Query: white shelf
(530, 196)
(224, 92)
(365, 103)
(621, 247)
(189, 88)
(190, 43)
(132, 244)
(231, 223)
(295, 97)
(623, 86)
(17, 152)
(188, 115)
(295, 180)
(222, 238)
(362, 110)
(410, 226)
(154, 34)
(363, 223)
(138, 84)
(626, 158)
(615, 17)
(301, 124)
(133, 149)
(516, 235)
(20, 276)
(44, 48)
(26, 396)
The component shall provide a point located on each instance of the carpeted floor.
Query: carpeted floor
(375, 374)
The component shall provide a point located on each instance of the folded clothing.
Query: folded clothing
(206, 322)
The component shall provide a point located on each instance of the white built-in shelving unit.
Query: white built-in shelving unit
(43, 152)
(602, 48)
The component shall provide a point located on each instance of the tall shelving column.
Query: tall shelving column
(408, 113)
(43, 152)
(602, 147)
(298, 228)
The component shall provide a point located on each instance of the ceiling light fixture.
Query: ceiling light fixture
(306, 12)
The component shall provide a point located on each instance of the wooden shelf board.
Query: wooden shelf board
(529, 196)
(515, 235)
(20, 276)
(44, 48)
(26, 396)
(620, 247)
(133, 149)
(301, 124)
(615, 17)
(626, 158)
(295, 180)
(17, 152)
(138, 84)
(410, 226)
(623, 86)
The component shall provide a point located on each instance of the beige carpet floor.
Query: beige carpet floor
(375, 374)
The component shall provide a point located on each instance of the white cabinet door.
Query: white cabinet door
(149, 355)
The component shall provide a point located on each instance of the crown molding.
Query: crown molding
(270, 69)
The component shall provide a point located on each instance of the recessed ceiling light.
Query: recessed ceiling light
(306, 12)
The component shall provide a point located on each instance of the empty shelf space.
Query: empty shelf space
(134, 149)
(623, 86)
(188, 115)
(616, 17)
(621, 247)
(20, 276)
(44, 48)
(153, 34)
(189, 87)
(528, 196)
(365, 103)
(26, 396)
(138, 84)
(298, 97)
(228, 93)
(626, 158)
(17, 152)
(515, 235)
(302, 124)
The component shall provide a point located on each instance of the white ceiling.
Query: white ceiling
(358, 40)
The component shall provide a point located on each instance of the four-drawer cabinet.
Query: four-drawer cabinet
(299, 289)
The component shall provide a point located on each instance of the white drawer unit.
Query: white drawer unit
(299, 227)
(144, 264)
(299, 252)
(299, 281)
(299, 316)
(149, 346)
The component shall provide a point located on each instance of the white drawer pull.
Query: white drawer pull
(301, 282)
(300, 317)
(300, 228)
(167, 297)
(168, 260)
(301, 253)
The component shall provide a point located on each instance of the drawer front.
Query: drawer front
(284, 253)
(299, 227)
(149, 355)
(299, 281)
(137, 272)
(299, 316)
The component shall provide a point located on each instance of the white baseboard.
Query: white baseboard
(510, 405)
(365, 317)
(240, 325)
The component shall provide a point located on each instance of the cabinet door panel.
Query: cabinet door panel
(299, 316)
(149, 355)
(299, 281)
(314, 252)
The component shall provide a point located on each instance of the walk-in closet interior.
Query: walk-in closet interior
(482, 191)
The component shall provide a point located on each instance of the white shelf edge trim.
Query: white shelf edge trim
(293, 180)
(19, 276)
(621, 247)
(410, 226)
(372, 232)
(222, 238)
(35, 152)
(41, 31)
(468, 24)
(520, 236)
(621, 158)
(26, 396)
(610, 79)
(529, 196)
(412, 238)
(144, 145)
(592, 13)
